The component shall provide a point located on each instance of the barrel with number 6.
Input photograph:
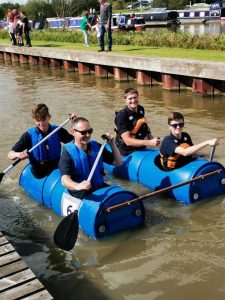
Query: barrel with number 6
(92, 219)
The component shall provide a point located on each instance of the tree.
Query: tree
(38, 8)
(170, 4)
(69, 8)
(4, 7)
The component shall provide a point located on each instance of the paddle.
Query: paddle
(201, 177)
(66, 233)
(2, 174)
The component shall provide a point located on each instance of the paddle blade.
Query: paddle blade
(66, 233)
(1, 176)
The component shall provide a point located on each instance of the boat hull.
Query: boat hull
(144, 167)
(93, 219)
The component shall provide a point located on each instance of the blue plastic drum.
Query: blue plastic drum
(97, 223)
(93, 219)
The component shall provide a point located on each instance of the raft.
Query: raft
(93, 219)
(144, 167)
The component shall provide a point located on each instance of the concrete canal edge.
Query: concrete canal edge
(17, 281)
(202, 77)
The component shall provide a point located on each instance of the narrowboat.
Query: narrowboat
(141, 21)
(92, 216)
(144, 167)
(215, 11)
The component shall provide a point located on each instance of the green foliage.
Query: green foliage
(55, 8)
(4, 7)
(37, 8)
(156, 38)
(165, 38)
(118, 5)
(170, 4)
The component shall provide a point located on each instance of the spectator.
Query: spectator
(84, 27)
(26, 28)
(105, 25)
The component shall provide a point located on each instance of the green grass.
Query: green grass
(196, 54)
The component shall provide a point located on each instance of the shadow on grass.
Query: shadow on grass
(49, 45)
(140, 49)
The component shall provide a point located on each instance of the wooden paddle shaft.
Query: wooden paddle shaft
(201, 177)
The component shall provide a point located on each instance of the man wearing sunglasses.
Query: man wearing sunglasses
(133, 132)
(177, 148)
(79, 156)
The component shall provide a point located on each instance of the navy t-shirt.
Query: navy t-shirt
(170, 143)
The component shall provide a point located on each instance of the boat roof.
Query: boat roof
(157, 9)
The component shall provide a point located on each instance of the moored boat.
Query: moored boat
(215, 11)
(144, 167)
(92, 217)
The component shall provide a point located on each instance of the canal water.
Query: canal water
(212, 28)
(180, 251)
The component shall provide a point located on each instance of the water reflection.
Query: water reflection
(211, 27)
(179, 252)
(215, 27)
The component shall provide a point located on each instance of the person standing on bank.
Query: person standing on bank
(26, 28)
(84, 26)
(133, 132)
(177, 148)
(79, 156)
(105, 25)
(44, 159)
(10, 26)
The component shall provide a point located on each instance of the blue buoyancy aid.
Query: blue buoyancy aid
(82, 164)
(50, 150)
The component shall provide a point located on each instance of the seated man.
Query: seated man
(79, 156)
(132, 129)
(44, 159)
(177, 148)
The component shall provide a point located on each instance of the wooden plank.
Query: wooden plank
(6, 248)
(16, 279)
(12, 268)
(8, 258)
(43, 295)
(3, 240)
(22, 290)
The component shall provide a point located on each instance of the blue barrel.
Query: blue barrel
(97, 223)
(92, 217)
(149, 173)
(152, 176)
(130, 166)
(32, 185)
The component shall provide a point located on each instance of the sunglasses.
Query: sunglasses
(84, 132)
(175, 126)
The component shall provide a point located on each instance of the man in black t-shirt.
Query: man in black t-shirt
(133, 132)
(177, 148)
(26, 28)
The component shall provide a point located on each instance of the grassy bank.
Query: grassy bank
(157, 43)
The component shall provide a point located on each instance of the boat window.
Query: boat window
(215, 6)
